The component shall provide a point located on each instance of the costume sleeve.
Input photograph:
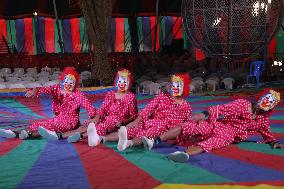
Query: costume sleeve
(265, 129)
(51, 90)
(236, 107)
(85, 103)
(105, 105)
(151, 107)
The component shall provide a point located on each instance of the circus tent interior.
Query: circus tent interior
(231, 49)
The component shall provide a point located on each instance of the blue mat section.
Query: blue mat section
(58, 166)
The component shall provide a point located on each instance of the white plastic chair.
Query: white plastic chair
(33, 85)
(228, 82)
(2, 86)
(16, 86)
(154, 88)
(50, 83)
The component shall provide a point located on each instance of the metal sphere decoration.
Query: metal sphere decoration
(231, 27)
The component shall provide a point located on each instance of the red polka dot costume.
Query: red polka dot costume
(163, 113)
(115, 110)
(65, 107)
(236, 124)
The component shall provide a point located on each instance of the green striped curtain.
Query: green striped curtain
(140, 33)
(84, 36)
(127, 37)
(11, 32)
(162, 32)
(186, 43)
(56, 37)
(34, 34)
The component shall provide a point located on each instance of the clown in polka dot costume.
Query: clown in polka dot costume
(119, 107)
(226, 124)
(66, 103)
(164, 112)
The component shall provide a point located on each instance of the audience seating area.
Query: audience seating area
(30, 77)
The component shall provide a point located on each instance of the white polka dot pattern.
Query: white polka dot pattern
(160, 115)
(235, 125)
(115, 110)
(66, 109)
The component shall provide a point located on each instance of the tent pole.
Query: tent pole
(156, 28)
(58, 28)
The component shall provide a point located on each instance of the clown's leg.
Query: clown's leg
(7, 133)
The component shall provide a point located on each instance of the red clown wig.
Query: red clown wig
(72, 71)
(186, 82)
(126, 73)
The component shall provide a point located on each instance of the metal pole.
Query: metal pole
(58, 28)
(156, 31)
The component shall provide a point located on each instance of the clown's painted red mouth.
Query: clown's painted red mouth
(175, 90)
(121, 86)
(265, 103)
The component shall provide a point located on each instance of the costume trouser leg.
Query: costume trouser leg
(223, 136)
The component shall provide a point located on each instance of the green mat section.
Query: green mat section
(22, 158)
(158, 166)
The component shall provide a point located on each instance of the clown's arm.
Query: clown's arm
(35, 92)
(85, 103)
(133, 111)
(147, 111)
(103, 108)
(266, 132)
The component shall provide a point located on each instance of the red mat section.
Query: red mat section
(102, 162)
(8, 145)
(257, 158)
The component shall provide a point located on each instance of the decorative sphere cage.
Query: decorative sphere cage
(231, 27)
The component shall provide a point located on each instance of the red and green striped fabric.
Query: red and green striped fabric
(39, 35)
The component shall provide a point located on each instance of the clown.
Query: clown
(225, 124)
(177, 85)
(66, 103)
(269, 100)
(123, 79)
(165, 111)
(119, 107)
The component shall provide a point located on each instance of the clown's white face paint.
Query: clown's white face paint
(177, 88)
(267, 102)
(68, 84)
(122, 84)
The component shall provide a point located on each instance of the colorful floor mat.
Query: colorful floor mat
(58, 164)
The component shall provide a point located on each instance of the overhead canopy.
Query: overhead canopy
(69, 8)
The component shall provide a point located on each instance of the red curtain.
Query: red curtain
(29, 40)
(119, 35)
(75, 33)
(49, 35)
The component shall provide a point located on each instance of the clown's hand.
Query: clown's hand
(31, 93)
(277, 145)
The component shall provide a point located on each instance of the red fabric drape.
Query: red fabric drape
(49, 35)
(178, 22)
(119, 35)
(75, 33)
(29, 43)
(3, 28)
(153, 22)
(272, 48)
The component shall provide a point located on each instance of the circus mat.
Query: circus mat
(57, 164)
